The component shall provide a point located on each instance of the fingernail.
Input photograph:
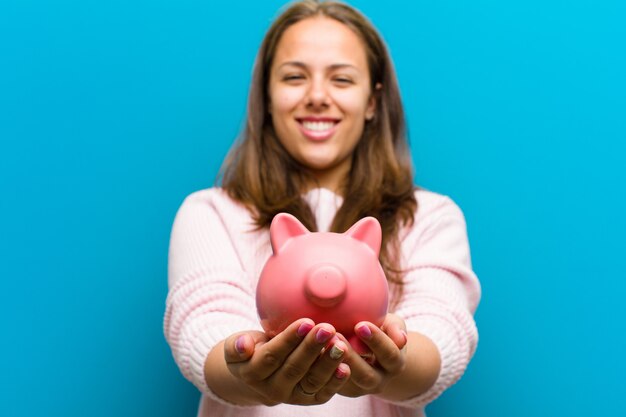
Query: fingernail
(322, 336)
(304, 329)
(240, 345)
(406, 337)
(340, 372)
(364, 332)
(337, 350)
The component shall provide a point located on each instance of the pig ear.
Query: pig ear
(285, 226)
(368, 231)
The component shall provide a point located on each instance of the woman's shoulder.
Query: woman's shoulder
(217, 201)
(432, 204)
(212, 196)
(433, 209)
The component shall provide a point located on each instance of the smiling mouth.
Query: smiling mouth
(318, 129)
(317, 126)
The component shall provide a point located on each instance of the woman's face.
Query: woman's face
(320, 96)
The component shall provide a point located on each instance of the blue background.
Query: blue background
(112, 112)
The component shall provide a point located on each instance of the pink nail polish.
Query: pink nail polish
(406, 337)
(364, 332)
(304, 329)
(340, 373)
(322, 336)
(240, 345)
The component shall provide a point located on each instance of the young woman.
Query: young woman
(325, 141)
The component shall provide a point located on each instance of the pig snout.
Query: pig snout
(325, 285)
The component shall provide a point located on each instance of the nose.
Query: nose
(317, 95)
(325, 286)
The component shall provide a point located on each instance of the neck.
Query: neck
(333, 180)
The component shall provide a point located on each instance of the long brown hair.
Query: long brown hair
(260, 173)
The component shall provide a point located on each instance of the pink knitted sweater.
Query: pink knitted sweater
(215, 258)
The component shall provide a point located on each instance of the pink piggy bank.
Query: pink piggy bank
(328, 277)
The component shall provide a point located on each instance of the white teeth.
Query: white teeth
(317, 126)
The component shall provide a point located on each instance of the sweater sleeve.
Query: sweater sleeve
(441, 292)
(210, 295)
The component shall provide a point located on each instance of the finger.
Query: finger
(395, 328)
(240, 347)
(325, 367)
(388, 355)
(297, 365)
(350, 389)
(364, 378)
(271, 356)
(338, 380)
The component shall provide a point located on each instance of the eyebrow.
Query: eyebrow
(331, 67)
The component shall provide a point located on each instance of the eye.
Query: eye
(293, 77)
(341, 80)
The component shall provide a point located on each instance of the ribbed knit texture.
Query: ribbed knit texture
(216, 257)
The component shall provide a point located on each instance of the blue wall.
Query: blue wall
(111, 112)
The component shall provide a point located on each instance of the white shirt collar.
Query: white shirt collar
(324, 203)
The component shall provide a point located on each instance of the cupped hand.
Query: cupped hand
(300, 365)
(387, 343)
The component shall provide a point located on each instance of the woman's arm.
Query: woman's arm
(439, 295)
(211, 295)
(211, 303)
